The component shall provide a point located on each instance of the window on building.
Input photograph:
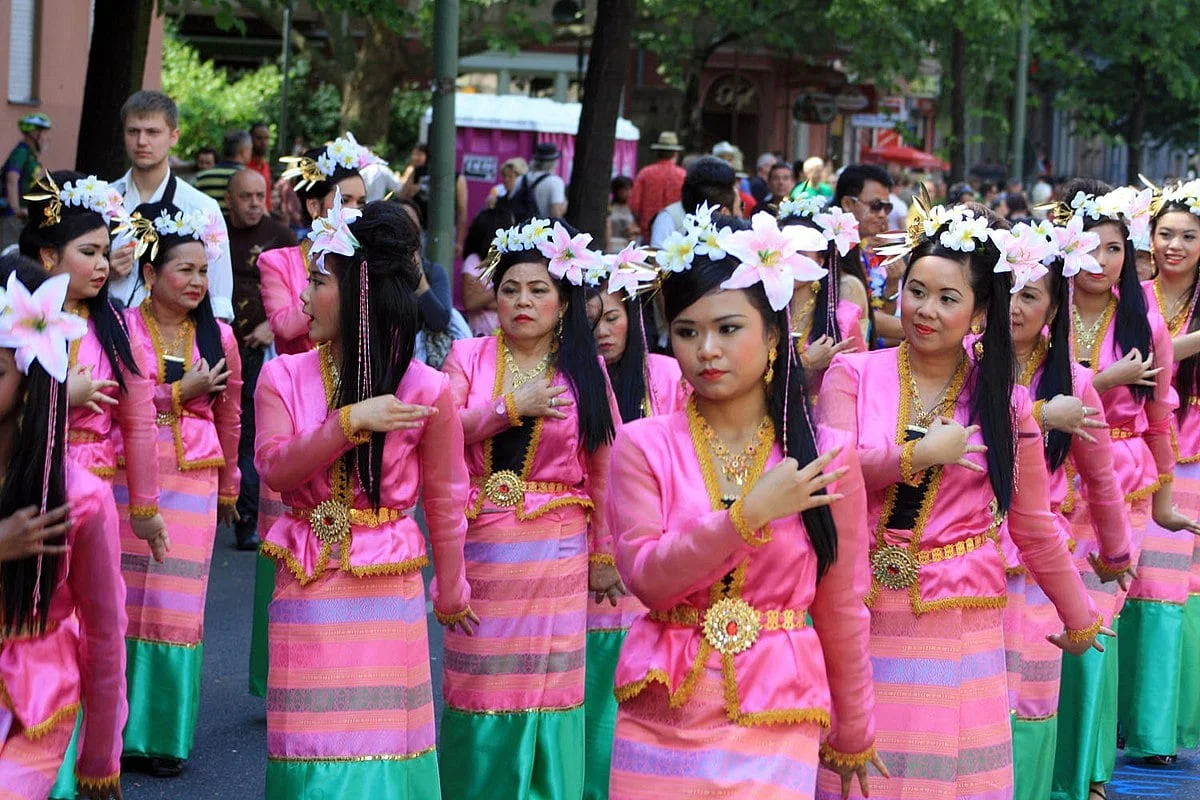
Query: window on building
(23, 52)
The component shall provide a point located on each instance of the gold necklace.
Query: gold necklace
(925, 415)
(802, 322)
(520, 377)
(1179, 315)
(1035, 361)
(736, 467)
(1086, 339)
(178, 342)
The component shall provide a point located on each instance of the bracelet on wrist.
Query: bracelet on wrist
(143, 512)
(451, 619)
(755, 538)
(835, 758)
(353, 437)
(603, 559)
(1088, 633)
(510, 406)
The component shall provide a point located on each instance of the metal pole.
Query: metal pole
(1018, 142)
(282, 143)
(440, 241)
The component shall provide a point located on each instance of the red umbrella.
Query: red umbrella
(905, 156)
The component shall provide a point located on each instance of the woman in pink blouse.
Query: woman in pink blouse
(193, 361)
(724, 530)
(61, 592)
(352, 435)
(645, 385)
(1076, 443)
(950, 451)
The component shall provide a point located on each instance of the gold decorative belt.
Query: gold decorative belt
(506, 488)
(165, 419)
(1123, 433)
(897, 567)
(82, 437)
(331, 520)
(732, 625)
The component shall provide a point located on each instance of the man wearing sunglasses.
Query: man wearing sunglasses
(864, 190)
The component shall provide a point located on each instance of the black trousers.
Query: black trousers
(247, 504)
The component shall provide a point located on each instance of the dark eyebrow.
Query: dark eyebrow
(729, 317)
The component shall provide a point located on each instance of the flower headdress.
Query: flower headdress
(839, 227)
(203, 226)
(805, 206)
(629, 270)
(90, 193)
(1125, 204)
(570, 256)
(331, 233)
(343, 152)
(1186, 193)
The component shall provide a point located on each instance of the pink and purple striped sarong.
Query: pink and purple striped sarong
(941, 712)
(28, 766)
(349, 694)
(694, 751)
(165, 603)
(514, 691)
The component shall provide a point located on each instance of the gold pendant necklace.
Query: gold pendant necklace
(520, 377)
(736, 467)
(1085, 338)
(925, 416)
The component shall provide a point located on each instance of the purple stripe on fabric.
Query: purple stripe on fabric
(187, 502)
(514, 663)
(508, 589)
(936, 672)
(492, 627)
(722, 767)
(121, 494)
(518, 552)
(340, 699)
(168, 601)
(173, 567)
(339, 744)
(351, 609)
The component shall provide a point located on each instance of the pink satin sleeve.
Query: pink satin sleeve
(662, 566)
(445, 484)
(837, 407)
(287, 458)
(1160, 408)
(227, 416)
(841, 618)
(99, 591)
(600, 540)
(1104, 498)
(135, 414)
(478, 423)
(280, 301)
(1034, 530)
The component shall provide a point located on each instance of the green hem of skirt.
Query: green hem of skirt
(408, 778)
(1086, 748)
(164, 698)
(264, 589)
(1148, 698)
(64, 784)
(1189, 665)
(1033, 757)
(536, 755)
(600, 710)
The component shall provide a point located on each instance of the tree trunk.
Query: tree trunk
(691, 113)
(367, 90)
(587, 197)
(1136, 135)
(958, 105)
(116, 64)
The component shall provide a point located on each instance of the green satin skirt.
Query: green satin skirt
(1189, 673)
(1034, 741)
(600, 710)
(519, 756)
(393, 778)
(164, 698)
(1086, 749)
(64, 784)
(264, 586)
(1148, 700)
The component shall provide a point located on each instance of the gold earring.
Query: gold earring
(976, 329)
(47, 266)
(770, 375)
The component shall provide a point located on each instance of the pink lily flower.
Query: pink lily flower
(629, 271)
(1076, 246)
(331, 233)
(569, 255)
(213, 236)
(37, 328)
(773, 257)
(840, 228)
(1022, 251)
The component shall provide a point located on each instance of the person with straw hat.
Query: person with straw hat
(660, 184)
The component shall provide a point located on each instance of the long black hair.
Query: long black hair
(388, 246)
(1187, 377)
(208, 334)
(990, 382)
(823, 322)
(23, 475)
(577, 358)
(321, 189)
(1131, 322)
(75, 221)
(1056, 370)
(787, 394)
(628, 373)
(483, 229)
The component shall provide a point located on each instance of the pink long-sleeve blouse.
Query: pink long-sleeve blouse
(283, 274)
(665, 389)
(559, 471)
(81, 656)
(299, 439)
(1142, 452)
(675, 545)
(952, 547)
(91, 440)
(206, 428)
(1186, 434)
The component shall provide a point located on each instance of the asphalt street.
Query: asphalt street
(229, 759)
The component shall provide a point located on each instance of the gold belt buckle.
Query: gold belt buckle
(731, 625)
(505, 488)
(894, 567)
(330, 521)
